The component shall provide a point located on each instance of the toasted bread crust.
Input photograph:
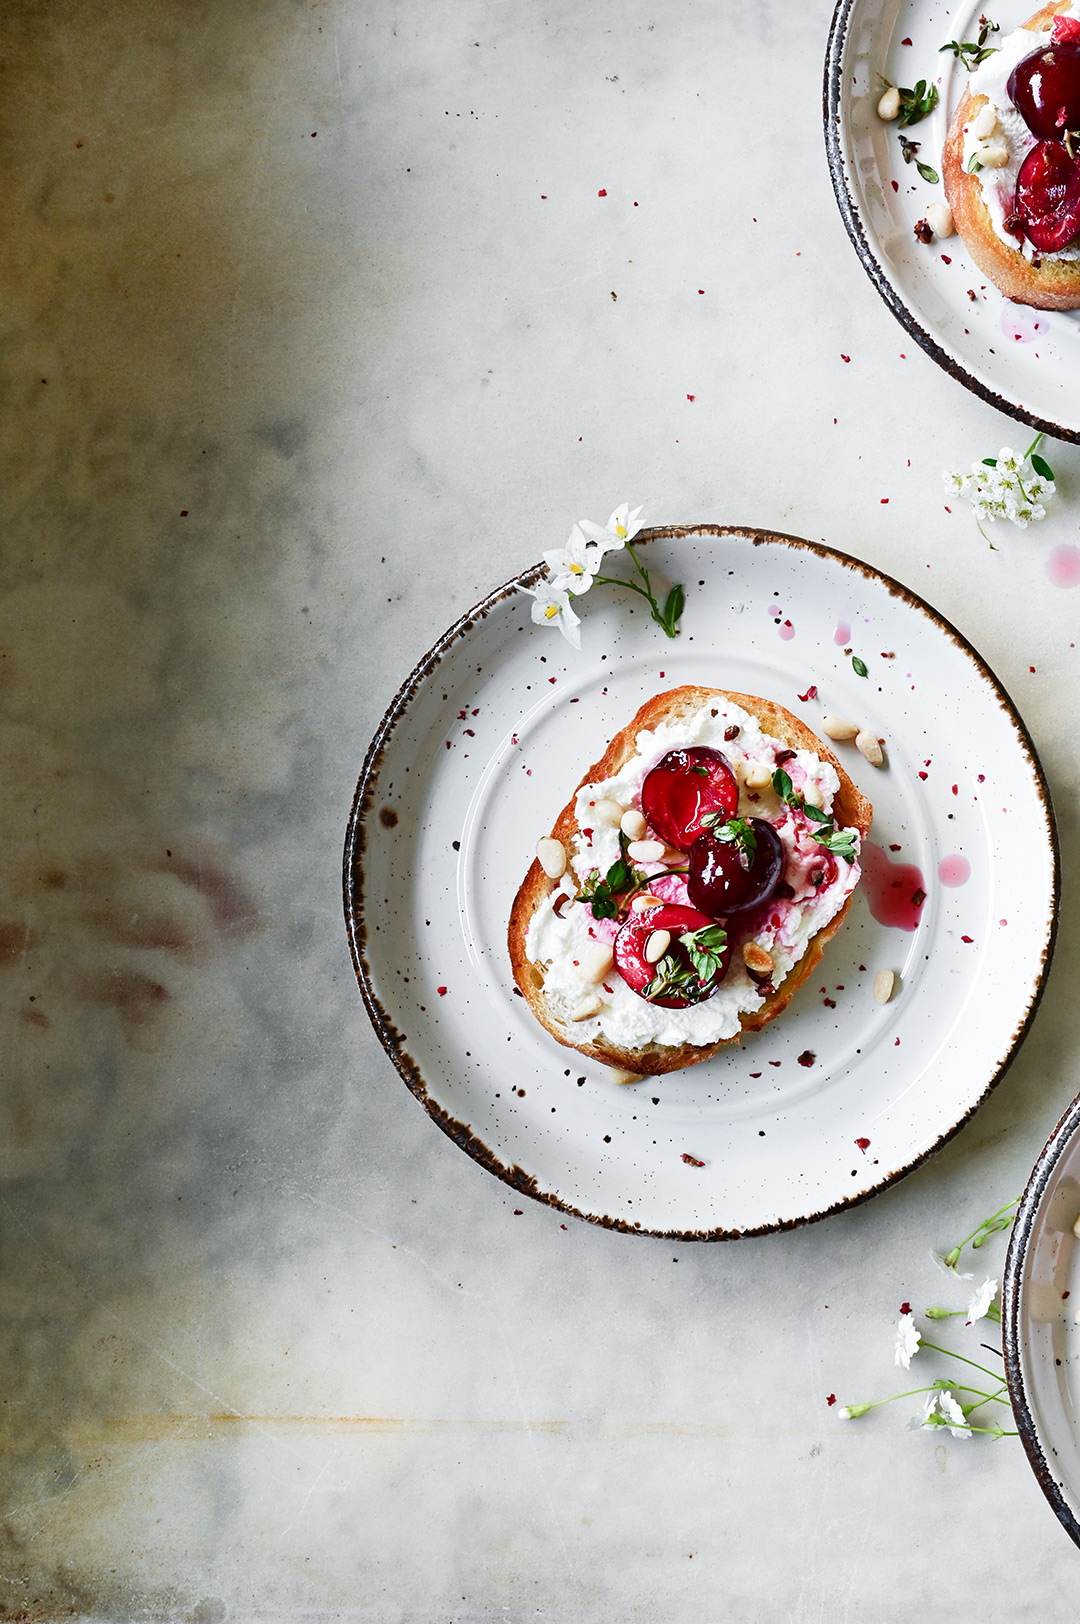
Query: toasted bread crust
(851, 808)
(1054, 284)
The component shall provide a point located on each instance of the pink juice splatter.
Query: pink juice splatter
(842, 634)
(787, 631)
(895, 892)
(954, 870)
(1019, 324)
(1063, 566)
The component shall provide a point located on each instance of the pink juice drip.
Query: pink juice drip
(842, 634)
(895, 892)
(787, 631)
(1063, 566)
(1019, 325)
(954, 870)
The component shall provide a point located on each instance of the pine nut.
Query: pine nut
(834, 727)
(657, 945)
(867, 745)
(755, 958)
(644, 901)
(813, 795)
(595, 961)
(607, 812)
(993, 157)
(614, 1075)
(758, 778)
(645, 851)
(985, 124)
(588, 1008)
(633, 824)
(940, 217)
(889, 105)
(551, 855)
(884, 985)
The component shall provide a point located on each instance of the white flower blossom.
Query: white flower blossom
(951, 1415)
(573, 566)
(981, 1300)
(551, 607)
(907, 1341)
(622, 526)
(1004, 487)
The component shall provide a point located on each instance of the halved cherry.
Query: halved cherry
(678, 921)
(1045, 89)
(734, 867)
(1048, 196)
(684, 786)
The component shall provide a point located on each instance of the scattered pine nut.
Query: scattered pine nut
(884, 985)
(615, 1075)
(867, 745)
(607, 812)
(644, 901)
(834, 727)
(551, 855)
(940, 217)
(633, 824)
(755, 958)
(588, 1008)
(595, 961)
(889, 105)
(646, 851)
(657, 945)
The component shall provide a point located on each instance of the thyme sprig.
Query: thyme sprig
(972, 52)
(841, 842)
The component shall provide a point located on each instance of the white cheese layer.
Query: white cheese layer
(999, 185)
(627, 1020)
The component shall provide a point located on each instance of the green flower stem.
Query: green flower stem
(665, 618)
(977, 1236)
(1034, 446)
(935, 1349)
(943, 1313)
(994, 1432)
(986, 1398)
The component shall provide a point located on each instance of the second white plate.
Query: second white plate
(482, 747)
(1024, 362)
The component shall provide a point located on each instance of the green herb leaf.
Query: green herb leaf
(916, 104)
(991, 462)
(973, 165)
(735, 831)
(928, 174)
(703, 772)
(673, 608)
(815, 814)
(706, 950)
(908, 148)
(782, 784)
(1041, 466)
(858, 666)
(840, 842)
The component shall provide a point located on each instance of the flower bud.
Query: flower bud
(939, 1313)
(850, 1411)
(951, 1259)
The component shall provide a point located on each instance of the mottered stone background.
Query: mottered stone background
(320, 320)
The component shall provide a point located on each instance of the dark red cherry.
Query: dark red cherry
(1045, 89)
(682, 787)
(1048, 196)
(637, 972)
(725, 878)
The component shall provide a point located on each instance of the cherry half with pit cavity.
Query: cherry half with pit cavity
(677, 920)
(1045, 89)
(734, 866)
(683, 788)
(1048, 196)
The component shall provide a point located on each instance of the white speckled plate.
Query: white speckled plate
(1040, 1295)
(1024, 362)
(482, 747)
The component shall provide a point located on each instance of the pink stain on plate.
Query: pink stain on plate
(842, 634)
(954, 870)
(1063, 566)
(787, 631)
(1019, 324)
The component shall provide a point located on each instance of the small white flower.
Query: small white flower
(622, 526)
(551, 607)
(573, 566)
(1006, 487)
(941, 1409)
(981, 1299)
(957, 484)
(907, 1341)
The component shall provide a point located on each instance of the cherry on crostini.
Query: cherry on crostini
(678, 921)
(1045, 89)
(683, 788)
(734, 866)
(1048, 196)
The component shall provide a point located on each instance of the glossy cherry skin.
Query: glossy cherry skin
(1048, 196)
(1045, 89)
(718, 883)
(682, 787)
(630, 949)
